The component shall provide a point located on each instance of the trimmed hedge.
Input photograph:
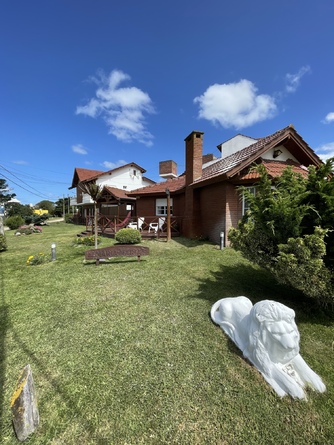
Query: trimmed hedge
(128, 236)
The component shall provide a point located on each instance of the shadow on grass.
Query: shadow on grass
(187, 242)
(4, 324)
(258, 284)
(112, 261)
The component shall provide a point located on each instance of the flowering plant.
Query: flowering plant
(28, 230)
(34, 260)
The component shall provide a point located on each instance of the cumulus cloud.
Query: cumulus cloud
(329, 118)
(325, 151)
(112, 165)
(122, 108)
(79, 149)
(293, 80)
(235, 105)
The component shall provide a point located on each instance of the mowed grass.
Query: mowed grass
(125, 353)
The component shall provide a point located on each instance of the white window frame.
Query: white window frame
(161, 206)
(245, 203)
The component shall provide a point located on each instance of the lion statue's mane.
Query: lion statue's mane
(268, 337)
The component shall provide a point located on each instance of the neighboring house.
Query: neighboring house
(205, 199)
(114, 184)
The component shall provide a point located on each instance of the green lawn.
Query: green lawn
(125, 353)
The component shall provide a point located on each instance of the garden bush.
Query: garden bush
(69, 218)
(300, 264)
(36, 219)
(128, 236)
(86, 241)
(3, 243)
(14, 222)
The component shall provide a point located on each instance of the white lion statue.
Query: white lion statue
(268, 337)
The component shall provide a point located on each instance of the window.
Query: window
(161, 206)
(245, 202)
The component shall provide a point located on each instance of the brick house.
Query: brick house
(205, 200)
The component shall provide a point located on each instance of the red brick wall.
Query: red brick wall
(213, 204)
(220, 210)
(233, 207)
(213, 209)
(145, 206)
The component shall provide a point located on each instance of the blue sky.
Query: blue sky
(97, 84)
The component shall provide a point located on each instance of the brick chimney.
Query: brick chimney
(208, 158)
(168, 169)
(194, 149)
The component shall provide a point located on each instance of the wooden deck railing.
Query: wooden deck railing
(111, 224)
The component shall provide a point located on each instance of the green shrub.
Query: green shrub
(69, 218)
(3, 243)
(14, 222)
(128, 236)
(86, 241)
(300, 264)
(36, 219)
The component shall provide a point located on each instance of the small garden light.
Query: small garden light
(53, 251)
(222, 236)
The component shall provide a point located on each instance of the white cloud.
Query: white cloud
(329, 118)
(80, 149)
(235, 104)
(293, 80)
(20, 162)
(122, 108)
(112, 165)
(325, 151)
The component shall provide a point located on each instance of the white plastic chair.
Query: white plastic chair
(141, 221)
(157, 225)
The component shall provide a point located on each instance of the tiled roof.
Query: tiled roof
(275, 169)
(226, 164)
(117, 193)
(173, 185)
(84, 174)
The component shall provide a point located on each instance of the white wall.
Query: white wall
(282, 157)
(127, 178)
(235, 144)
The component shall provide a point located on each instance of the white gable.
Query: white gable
(127, 178)
(235, 144)
(279, 153)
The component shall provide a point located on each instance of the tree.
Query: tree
(4, 195)
(320, 187)
(46, 205)
(276, 213)
(94, 191)
(15, 208)
(288, 226)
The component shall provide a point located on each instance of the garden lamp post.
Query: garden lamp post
(53, 252)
